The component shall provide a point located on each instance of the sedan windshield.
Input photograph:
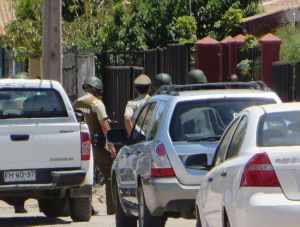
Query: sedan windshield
(207, 119)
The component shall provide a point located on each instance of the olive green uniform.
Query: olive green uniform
(94, 111)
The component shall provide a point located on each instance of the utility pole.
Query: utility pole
(51, 41)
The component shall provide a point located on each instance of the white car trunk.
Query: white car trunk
(286, 163)
(42, 145)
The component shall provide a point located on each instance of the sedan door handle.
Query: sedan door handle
(210, 179)
(24, 137)
(224, 174)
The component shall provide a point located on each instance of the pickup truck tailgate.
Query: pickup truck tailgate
(40, 145)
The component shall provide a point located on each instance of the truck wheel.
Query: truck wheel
(121, 218)
(145, 218)
(81, 209)
(54, 207)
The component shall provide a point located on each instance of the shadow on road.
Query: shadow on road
(32, 221)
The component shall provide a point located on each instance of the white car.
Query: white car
(255, 177)
(156, 173)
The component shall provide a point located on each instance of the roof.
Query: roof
(6, 14)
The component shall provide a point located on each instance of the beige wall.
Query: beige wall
(35, 68)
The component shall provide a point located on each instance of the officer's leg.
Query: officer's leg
(104, 161)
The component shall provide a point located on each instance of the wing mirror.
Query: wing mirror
(79, 115)
(197, 161)
(117, 136)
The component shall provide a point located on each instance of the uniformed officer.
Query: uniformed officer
(196, 76)
(161, 79)
(142, 87)
(97, 121)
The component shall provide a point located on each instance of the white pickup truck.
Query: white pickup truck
(46, 152)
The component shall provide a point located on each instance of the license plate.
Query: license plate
(19, 176)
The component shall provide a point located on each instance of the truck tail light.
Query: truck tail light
(259, 172)
(85, 146)
(161, 166)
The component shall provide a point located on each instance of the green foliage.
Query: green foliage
(122, 31)
(23, 36)
(228, 25)
(140, 25)
(290, 47)
(185, 29)
(208, 12)
(250, 42)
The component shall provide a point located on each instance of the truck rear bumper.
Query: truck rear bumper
(54, 180)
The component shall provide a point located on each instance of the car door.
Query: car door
(138, 145)
(221, 179)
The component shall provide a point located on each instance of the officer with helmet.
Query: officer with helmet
(97, 120)
(161, 79)
(196, 76)
(142, 87)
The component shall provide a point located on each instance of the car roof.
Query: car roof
(218, 93)
(282, 107)
(27, 83)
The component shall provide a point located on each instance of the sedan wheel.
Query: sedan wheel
(122, 219)
(198, 222)
(145, 218)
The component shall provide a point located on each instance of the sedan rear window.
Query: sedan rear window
(207, 119)
(26, 103)
(279, 129)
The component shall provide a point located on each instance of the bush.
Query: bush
(290, 47)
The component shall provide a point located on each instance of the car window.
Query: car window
(279, 129)
(31, 103)
(157, 119)
(207, 118)
(221, 150)
(237, 138)
(142, 123)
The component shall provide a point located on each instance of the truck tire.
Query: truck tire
(54, 207)
(81, 209)
(121, 218)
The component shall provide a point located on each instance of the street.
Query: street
(35, 218)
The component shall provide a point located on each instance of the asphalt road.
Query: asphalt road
(35, 218)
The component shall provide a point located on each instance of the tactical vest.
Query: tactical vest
(90, 117)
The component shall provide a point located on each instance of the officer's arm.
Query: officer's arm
(128, 124)
(105, 127)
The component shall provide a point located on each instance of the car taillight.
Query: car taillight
(259, 172)
(85, 146)
(161, 166)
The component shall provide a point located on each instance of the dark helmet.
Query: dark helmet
(20, 76)
(94, 82)
(196, 76)
(162, 79)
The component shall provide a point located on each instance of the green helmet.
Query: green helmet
(162, 79)
(94, 82)
(196, 76)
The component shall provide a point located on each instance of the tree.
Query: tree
(81, 22)
(136, 26)
(24, 35)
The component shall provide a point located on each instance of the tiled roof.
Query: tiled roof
(6, 14)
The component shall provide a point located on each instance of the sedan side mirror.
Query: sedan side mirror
(79, 115)
(117, 136)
